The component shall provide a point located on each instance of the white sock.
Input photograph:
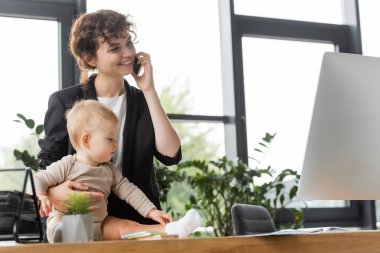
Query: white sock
(184, 226)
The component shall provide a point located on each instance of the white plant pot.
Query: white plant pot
(77, 228)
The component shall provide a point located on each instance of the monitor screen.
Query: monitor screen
(342, 158)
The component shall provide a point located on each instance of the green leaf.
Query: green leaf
(30, 123)
(16, 153)
(21, 117)
(269, 137)
(39, 129)
(77, 203)
(282, 198)
(293, 192)
(192, 199)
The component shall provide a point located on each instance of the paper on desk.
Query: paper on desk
(304, 231)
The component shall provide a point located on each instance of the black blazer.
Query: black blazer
(138, 144)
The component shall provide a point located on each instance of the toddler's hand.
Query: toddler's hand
(46, 205)
(159, 216)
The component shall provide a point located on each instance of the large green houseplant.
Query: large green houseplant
(220, 183)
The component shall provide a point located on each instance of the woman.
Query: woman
(102, 41)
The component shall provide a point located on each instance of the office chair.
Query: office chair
(251, 219)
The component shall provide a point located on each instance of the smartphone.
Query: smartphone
(136, 65)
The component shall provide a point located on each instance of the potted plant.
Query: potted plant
(77, 221)
(216, 185)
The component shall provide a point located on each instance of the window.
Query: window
(34, 63)
(369, 24)
(311, 10)
(265, 48)
(200, 140)
(183, 42)
(31, 75)
(280, 81)
(183, 45)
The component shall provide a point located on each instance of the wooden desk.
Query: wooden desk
(344, 242)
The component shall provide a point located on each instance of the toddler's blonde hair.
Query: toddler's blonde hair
(86, 116)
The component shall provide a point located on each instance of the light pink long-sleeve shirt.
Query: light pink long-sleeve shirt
(103, 178)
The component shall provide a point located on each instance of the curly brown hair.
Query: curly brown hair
(88, 27)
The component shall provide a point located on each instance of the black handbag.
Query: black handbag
(19, 216)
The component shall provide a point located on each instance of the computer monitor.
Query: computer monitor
(342, 158)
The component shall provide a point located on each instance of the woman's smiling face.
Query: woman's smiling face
(116, 57)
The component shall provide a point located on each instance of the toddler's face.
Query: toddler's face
(103, 142)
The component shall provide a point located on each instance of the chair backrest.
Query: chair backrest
(19, 212)
(251, 219)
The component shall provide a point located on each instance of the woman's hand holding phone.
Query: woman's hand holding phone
(144, 78)
(136, 65)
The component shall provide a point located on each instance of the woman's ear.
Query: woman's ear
(85, 140)
(89, 59)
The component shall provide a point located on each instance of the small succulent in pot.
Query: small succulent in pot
(77, 222)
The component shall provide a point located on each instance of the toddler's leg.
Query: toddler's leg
(184, 226)
(54, 232)
(113, 228)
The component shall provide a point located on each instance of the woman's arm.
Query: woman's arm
(53, 183)
(167, 140)
(55, 143)
(57, 195)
